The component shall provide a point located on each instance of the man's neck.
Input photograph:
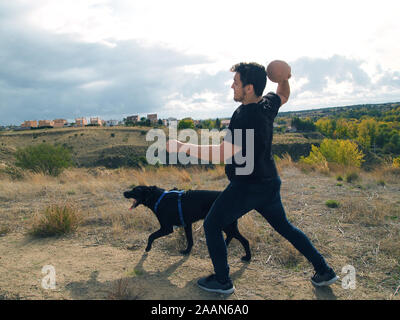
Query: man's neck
(253, 99)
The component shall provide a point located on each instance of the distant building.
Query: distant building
(152, 117)
(80, 122)
(59, 123)
(96, 121)
(132, 118)
(46, 123)
(111, 123)
(29, 124)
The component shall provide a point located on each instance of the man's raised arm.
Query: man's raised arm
(283, 90)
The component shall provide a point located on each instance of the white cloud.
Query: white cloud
(113, 57)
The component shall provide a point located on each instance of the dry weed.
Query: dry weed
(306, 168)
(368, 213)
(284, 162)
(387, 174)
(121, 291)
(56, 219)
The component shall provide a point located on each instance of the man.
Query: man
(259, 190)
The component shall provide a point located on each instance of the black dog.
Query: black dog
(194, 204)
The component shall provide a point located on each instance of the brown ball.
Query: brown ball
(278, 71)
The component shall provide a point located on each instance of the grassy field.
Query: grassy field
(104, 257)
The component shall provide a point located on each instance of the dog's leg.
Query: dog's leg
(232, 231)
(189, 239)
(244, 242)
(228, 239)
(158, 234)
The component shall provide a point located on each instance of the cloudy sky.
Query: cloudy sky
(114, 58)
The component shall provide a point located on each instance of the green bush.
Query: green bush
(332, 203)
(44, 158)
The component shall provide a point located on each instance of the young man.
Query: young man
(260, 189)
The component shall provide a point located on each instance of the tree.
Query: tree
(186, 123)
(367, 132)
(218, 123)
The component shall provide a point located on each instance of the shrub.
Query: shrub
(396, 162)
(55, 220)
(381, 183)
(315, 157)
(332, 203)
(351, 177)
(4, 230)
(344, 152)
(44, 158)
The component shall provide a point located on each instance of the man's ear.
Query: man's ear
(249, 88)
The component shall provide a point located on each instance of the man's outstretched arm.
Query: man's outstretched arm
(225, 150)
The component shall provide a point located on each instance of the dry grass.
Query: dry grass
(121, 291)
(56, 219)
(284, 162)
(370, 215)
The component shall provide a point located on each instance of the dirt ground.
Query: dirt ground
(105, 257)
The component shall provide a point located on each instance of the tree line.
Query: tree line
(377, 130)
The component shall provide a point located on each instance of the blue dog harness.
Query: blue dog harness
(179, 204)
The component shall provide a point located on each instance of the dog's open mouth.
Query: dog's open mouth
(134, 204)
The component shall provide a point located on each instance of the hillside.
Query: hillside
(338, 111)
(111, 147)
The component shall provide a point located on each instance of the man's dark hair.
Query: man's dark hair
(252, 73)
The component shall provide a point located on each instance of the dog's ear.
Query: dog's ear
(148, 192)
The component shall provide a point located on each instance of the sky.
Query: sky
(115, 58)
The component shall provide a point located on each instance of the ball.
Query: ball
(278, 71)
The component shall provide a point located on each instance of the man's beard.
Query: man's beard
(238, 99)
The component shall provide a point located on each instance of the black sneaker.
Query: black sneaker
(324, 279)
(211, 284)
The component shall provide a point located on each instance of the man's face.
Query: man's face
(238, 90)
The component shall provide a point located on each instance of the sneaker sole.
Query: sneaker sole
(227, 291)
(325, 283)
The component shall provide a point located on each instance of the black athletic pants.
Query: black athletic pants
(239, 198)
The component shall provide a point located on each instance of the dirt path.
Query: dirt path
(87, 271)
